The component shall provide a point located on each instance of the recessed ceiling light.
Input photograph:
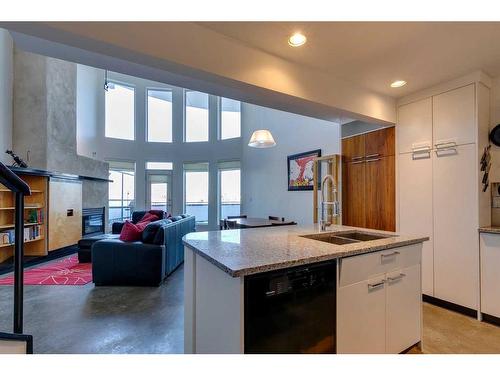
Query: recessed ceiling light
(398, 83)
(297, 40)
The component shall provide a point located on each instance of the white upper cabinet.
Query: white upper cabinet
(454, 117)
(414, 129)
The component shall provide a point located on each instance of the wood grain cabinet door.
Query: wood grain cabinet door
(380, 143)
(380, 203)
(65, 213)
(353, 148)
(353, 194)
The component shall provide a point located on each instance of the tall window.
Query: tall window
(230, 118)
(229, 188)
(159, 116)
(196, 191)
(196, 129)
(121, 190)
(120, 112)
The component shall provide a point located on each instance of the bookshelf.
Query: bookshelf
(35, 217)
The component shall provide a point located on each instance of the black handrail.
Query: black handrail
(20, 188)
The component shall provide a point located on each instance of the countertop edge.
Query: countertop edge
(299, 262)
(492, 230)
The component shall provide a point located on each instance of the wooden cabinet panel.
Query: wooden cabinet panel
(353, 193)
(380, 205)
(414, 125)
(454, 116)
(415, 208)
(353, 148)
(361, 317)
(65, 213)
(456, 253)
(403, 309)
(380, 143)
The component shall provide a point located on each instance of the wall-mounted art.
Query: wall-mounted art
(300, 170)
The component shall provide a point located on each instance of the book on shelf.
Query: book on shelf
(35, 215)
(35, 232)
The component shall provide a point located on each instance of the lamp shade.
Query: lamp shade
(262, 139)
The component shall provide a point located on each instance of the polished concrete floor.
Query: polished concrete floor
(85, 319)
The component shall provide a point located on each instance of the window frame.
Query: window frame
(134, 88)
(219, 183)
(184, 117)
(184, 201)
(110, 161)
(219, 119)
(146, 114)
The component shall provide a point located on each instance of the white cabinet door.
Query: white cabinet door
(490, 274)
(403, 324)
(456, 242)
(361, 317)
(414, 128)
(453, 116)
(415, 208)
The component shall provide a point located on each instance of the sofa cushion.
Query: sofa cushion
(131, 232)
(148, 218)
(160, 233)
(176, 218)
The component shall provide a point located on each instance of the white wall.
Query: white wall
(6, 79)
(89, 108)
(264, 171)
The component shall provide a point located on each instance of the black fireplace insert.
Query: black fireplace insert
(92, 221)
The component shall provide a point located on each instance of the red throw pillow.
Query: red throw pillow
(147, 218)
(131, 232)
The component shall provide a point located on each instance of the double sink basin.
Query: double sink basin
(346, 238)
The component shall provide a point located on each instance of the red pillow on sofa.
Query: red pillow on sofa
(131, 232)
(147, 218)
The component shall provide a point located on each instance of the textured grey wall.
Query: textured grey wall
(45, 122)
(6, 78)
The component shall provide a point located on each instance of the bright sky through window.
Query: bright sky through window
(120, 112)
(230, 118)
(159, 116)
(196, 116)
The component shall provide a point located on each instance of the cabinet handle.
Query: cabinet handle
(369, 161)
(418, 149)
(396, 278)
(358, 162)
(356, 157)
(389, 254)
(446, 145)
(376, 285)
(372, 155)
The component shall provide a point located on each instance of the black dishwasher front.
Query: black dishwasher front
(291, 310)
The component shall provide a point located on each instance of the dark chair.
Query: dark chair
(237, 217)
(276, 218)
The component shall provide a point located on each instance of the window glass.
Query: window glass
(120, 111)
(196, 116)
(121, 191)
(159, 165)
(159, 116)
(196, 191)
(229, 188)
(230, 118)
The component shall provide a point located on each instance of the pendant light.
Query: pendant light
(262, 138)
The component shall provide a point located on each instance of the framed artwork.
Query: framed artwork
(300, 170)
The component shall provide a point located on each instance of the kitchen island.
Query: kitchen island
(298, 290)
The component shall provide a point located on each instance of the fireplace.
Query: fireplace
(92, 221)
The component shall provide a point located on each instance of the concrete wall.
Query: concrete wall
(6, 79)
(264, 171)
(45, 131)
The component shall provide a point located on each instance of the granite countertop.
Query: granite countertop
(495, 230)
(241, 252)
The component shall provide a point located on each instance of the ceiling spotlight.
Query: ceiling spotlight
(398, 83)
(297, 40)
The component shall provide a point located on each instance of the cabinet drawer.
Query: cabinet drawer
(362, 267)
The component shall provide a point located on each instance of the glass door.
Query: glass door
(159, 190)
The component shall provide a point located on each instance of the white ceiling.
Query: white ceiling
(373, 54)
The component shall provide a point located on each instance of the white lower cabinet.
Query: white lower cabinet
(361, 317)
(490, 275)
(403, 327)
(381, 314)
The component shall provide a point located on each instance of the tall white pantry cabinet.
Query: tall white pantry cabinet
(441, 136)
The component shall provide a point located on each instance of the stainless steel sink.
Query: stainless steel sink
(345, 238)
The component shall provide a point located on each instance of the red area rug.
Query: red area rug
(66, 271)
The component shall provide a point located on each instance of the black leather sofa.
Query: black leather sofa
(146, 262)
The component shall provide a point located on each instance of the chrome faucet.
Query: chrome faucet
(335, 204)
